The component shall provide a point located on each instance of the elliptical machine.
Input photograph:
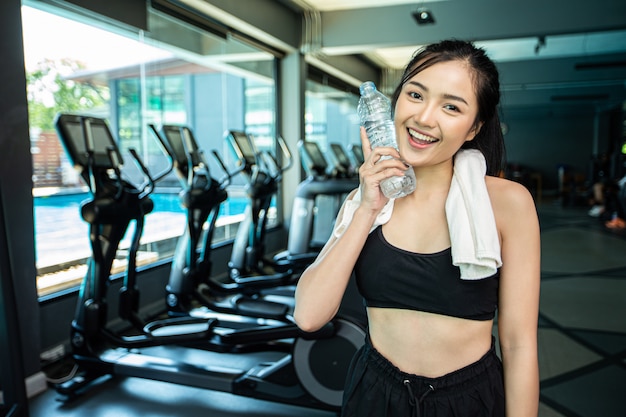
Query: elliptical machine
(323, 181)
(348, 169)
(190, 282)
(310, 373)
(357, 155)
(263, 175)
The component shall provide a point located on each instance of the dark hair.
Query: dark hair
(489, 140)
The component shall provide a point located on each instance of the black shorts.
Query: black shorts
(377, 388)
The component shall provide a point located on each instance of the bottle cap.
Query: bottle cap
(366, 87)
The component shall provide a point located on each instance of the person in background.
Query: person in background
(599, 178)
(614, 208)
(431, 293)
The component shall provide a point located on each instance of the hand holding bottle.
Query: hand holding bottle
(379, 164)
(374, 111)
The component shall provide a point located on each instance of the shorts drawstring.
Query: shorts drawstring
(416, 404)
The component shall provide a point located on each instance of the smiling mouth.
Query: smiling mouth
(421, 139)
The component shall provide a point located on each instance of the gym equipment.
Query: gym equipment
(357, 154)
(263, 176)
(345, 168)
(283, 365)
(190, 282)
(310, 225)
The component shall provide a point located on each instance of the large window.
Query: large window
(133, 80)
(330, 117)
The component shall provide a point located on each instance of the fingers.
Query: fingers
(378, 152)
(379, 164)
(381, 169)
(365, 144)
(371, 175)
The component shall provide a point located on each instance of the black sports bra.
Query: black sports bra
(390, 277)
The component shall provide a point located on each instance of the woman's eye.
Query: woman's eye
(451, 107)
(415, 95)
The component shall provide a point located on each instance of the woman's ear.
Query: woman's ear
(474, 131)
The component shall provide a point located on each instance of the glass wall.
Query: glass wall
(331, 118)
(133, 79)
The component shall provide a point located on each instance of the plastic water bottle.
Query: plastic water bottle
(374, 111)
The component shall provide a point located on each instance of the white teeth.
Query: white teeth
(421, 137)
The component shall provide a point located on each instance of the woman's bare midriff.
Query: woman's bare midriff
(426, 344)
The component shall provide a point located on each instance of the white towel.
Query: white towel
(350, 207)
(472, 225)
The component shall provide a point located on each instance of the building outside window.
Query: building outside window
(330, 117)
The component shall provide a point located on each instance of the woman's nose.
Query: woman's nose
(425, 116)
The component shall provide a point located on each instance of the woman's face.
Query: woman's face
(435, 113)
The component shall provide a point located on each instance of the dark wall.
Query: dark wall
(16, 179)
(543, 140)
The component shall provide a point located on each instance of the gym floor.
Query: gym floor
(582, 341)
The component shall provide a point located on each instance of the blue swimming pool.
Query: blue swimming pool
(163, 202)
(62, 236)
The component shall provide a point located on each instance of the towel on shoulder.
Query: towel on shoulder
(472, 225)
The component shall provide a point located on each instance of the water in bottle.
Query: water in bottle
(374, 111)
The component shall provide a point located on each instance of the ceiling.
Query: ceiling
(556, 54)
(553, 56)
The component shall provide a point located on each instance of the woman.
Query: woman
(429, 349)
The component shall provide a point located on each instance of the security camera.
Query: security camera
(423, 17)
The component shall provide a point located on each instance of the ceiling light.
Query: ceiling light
(423, 17)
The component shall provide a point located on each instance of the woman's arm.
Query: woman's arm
(518, 310)
(322, 285)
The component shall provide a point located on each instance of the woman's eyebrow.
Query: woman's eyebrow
(456, 98)
(446, 96)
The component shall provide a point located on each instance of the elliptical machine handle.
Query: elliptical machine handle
(270, 162)
(167, 152)
(285, 152)
(229, 175)
(89, 150)
(115, 163)
(149, 186)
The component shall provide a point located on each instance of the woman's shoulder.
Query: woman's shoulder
(514, 210)
(508, 197)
